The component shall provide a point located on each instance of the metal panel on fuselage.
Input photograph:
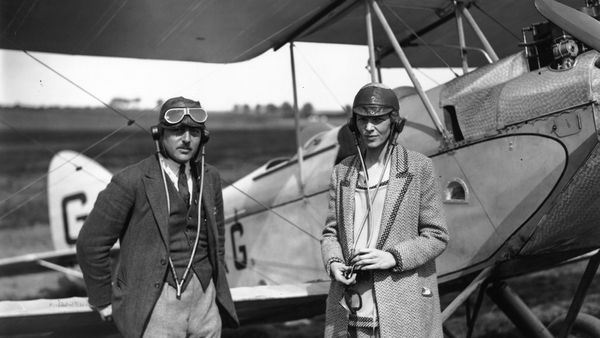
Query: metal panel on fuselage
(280, 244)
(570, 217)
(507, 179)
(280, 184)
(270, 251)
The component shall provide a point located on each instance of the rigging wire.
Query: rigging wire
(51, 152)
(31, 139)
(129, 121)
(321, 80)
(20, 205)
(427, 76)
(10, 211)
(292, 269)
(28, 200)
(487, 215)
(46, 174)
(271, 210)
(113, 146)
(496, 21)
(425, 43)
(258, 272)
(31, 183)
(67, 161)
(271, 263)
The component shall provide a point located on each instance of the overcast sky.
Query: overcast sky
(328, 76)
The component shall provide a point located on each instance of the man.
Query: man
(167, 213)
(384, 229)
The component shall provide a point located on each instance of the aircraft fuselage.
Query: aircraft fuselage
(517, 180)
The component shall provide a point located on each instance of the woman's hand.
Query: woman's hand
(373, 259)
(338, 271)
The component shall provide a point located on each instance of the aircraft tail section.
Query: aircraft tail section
(74, 181)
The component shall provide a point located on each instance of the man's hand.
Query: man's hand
(373, 259)
(105, 313)
(338, 272)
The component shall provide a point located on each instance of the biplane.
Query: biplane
(515, 141)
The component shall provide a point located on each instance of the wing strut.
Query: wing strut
(297, 121)
(486, 44)
(462, 297)
(461, 35)
(370, 43)
(60, 268)
(388, 30)
(582, 288)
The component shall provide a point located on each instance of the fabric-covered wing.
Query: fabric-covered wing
(259, 304)
(435, 24)
(36, 262)
(229, 31)
(70, 317)
(192, 30)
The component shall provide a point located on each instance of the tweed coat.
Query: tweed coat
(413, 230)
(133, 209)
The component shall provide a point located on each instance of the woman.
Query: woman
(384, 229)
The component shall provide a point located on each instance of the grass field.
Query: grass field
(235, 148)
(23, 172)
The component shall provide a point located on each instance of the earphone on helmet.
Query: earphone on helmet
(158, 130)
(397, 123)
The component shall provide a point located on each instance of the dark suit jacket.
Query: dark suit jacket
(133, 209)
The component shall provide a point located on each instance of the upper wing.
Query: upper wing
(229, 31)
(192, 30)
(433, 21)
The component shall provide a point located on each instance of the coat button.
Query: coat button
(157, 285)
(196, 202)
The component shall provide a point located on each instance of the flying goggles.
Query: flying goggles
(176, 115)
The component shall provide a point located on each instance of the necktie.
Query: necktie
(183, 186)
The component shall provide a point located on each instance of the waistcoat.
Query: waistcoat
(182, 233)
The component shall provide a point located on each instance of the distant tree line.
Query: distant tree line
(270, 109)
(124, 103)
(284, 110)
